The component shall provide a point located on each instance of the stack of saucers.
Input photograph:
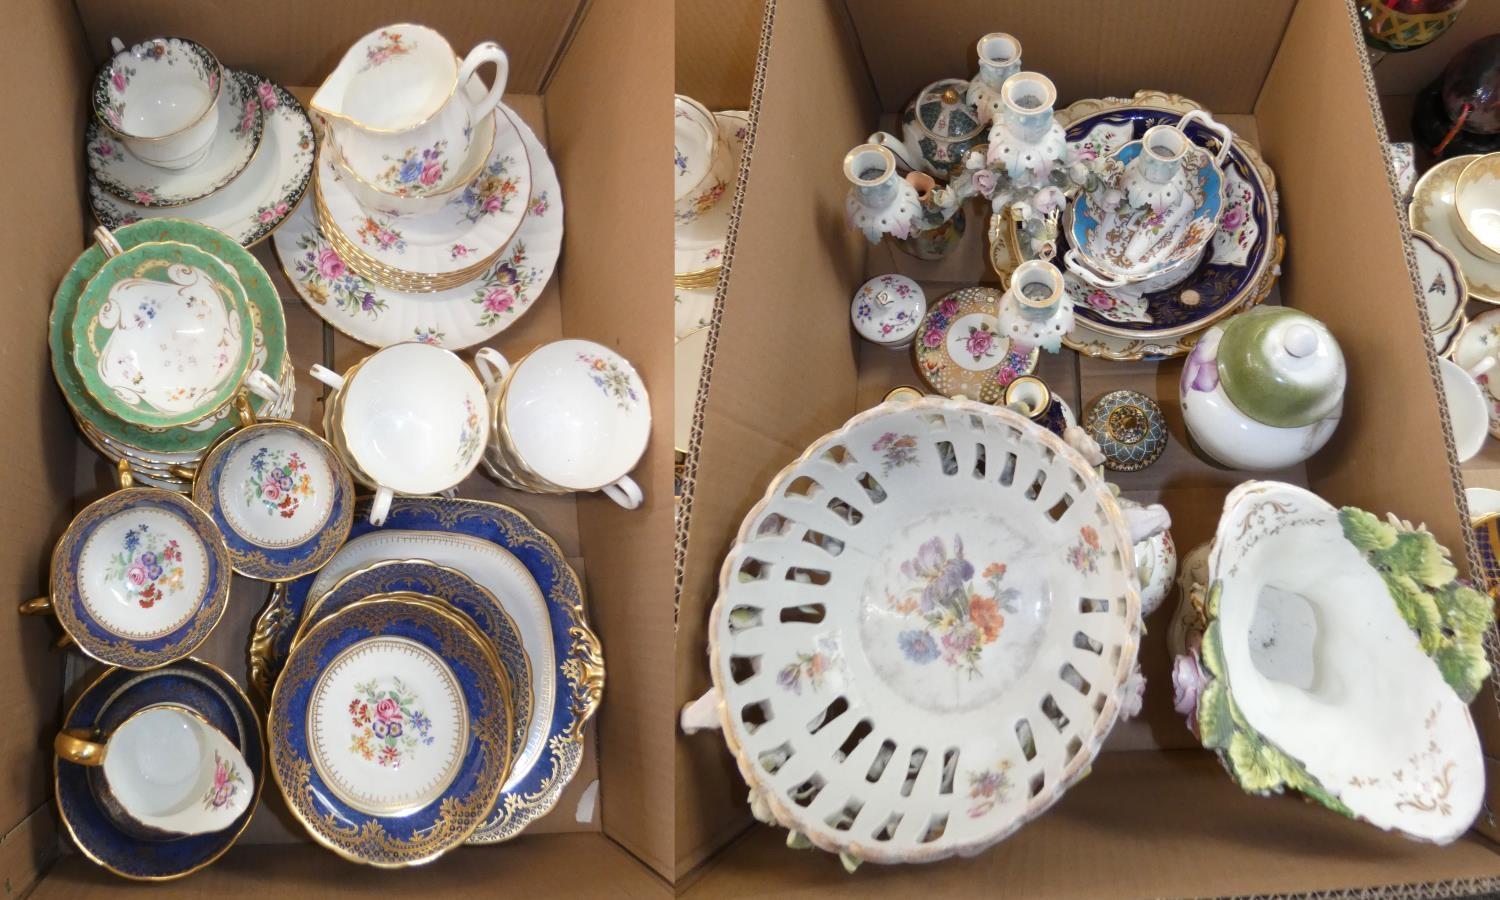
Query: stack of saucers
(175, 134)
(440, 667)
(436, 214)
(139, 387)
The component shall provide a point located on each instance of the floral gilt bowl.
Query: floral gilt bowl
(1336, 654)
(923, 632)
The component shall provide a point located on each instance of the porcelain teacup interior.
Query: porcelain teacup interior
(166, 772)
(277, 485)
(163, 334)
(161, 97)
(1467, 409)
(412, 418)
(1476, 206)
(700, 160)
(400, 111)
(577, 414)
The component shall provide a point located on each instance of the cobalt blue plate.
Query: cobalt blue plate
(103, 706)
(577, 680)
(390, 731)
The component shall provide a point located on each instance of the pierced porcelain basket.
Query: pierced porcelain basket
(923, 632)
(1334, 653)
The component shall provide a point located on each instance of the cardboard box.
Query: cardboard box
(1158, 816)
(578, 74)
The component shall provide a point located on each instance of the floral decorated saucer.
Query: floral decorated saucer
(474, 226)
(503, 552)
(960, 351)
(1335, 653)
(923, 632)
(390, 731)
(1479, 339)
(444, 585)
(1243, 261)
(280, 496)
(699, 244)
(238, 139)
(453, 319)
(111, 699)
(1431, 211)
(268, 338)
(252, 206)
(1442, 288)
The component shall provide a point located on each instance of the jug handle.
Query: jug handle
(898, 147)
(487, 52)
(1226, 137)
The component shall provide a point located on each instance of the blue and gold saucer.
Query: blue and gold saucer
(110, 700)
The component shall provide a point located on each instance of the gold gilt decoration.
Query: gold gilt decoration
(366, 840)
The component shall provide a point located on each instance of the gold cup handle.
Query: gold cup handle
(122, 472)
(38, 607)
(74, 746)
(186, 473)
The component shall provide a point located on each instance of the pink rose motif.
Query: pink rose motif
(499, 300)
(979, 342)
(1047, 199)
(143, 197)
(985, 181)
(431, 172)
(270, 490)
(492, 203)
(105, 149)
(932, 340)
(136, 574)
(1100, 300)
(273, 212)
(329, 264)
(267, 95)
(387, 237)
(388, 710)
(1188, 682)
(948, 308)
(1234, 217)
(117, 79)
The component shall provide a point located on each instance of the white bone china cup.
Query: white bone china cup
(161, 97)
(166, 772)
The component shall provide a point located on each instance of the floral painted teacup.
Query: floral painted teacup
(161, 98)
(572, 416)
(164, 773)
(701, 162)
(139, 578)
(399, 111)
(409, 419)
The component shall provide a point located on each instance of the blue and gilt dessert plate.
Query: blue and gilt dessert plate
(390, 730)
(1239, 269)
(280, 496)
(139, 579)
(110, 700)
(519, 564)
(450, 586)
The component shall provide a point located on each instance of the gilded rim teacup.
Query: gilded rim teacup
(161, 98)
(139, 578)
(411, 418)
(399, 110)
(701, 162)
(163, 334)
(164, 772)
(1476, 207)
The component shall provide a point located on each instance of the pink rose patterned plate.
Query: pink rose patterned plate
(238, 139)
(253, 205)
(959, 349)
(455, 318)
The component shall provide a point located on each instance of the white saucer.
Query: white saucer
(692, 309)
(251, 206)
(1431, 210)
(700, 243)
(476, 224)
(1468, 409)
(241, 123)
(1478, 339)
(687, 368)
(456, 318)
(1482, 501)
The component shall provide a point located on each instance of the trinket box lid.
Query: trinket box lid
(943, 112)
(887, 309)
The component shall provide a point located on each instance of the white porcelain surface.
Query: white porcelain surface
(1468, 411)
(887, 310)
(399, 110)
(276, 488)
(1321, 664)
(1431, 211)
(498, 572)
(1475, 351)
(405, 685)
(142, 573)
(699, 244)
(957, 616)
(695, 144)
(1441, 283)
(577, 414)
(160, 96)
(1482, 501)
(1476, 201)
(171, 770)
(259, 199)
(687, 368)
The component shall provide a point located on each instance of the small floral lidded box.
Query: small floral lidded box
(887, 310)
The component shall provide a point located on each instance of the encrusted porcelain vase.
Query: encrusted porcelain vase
(880, 201)
(1263, 390)
(1335, 653)
(999, 58)
(1027, 145)
(1036, 311)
